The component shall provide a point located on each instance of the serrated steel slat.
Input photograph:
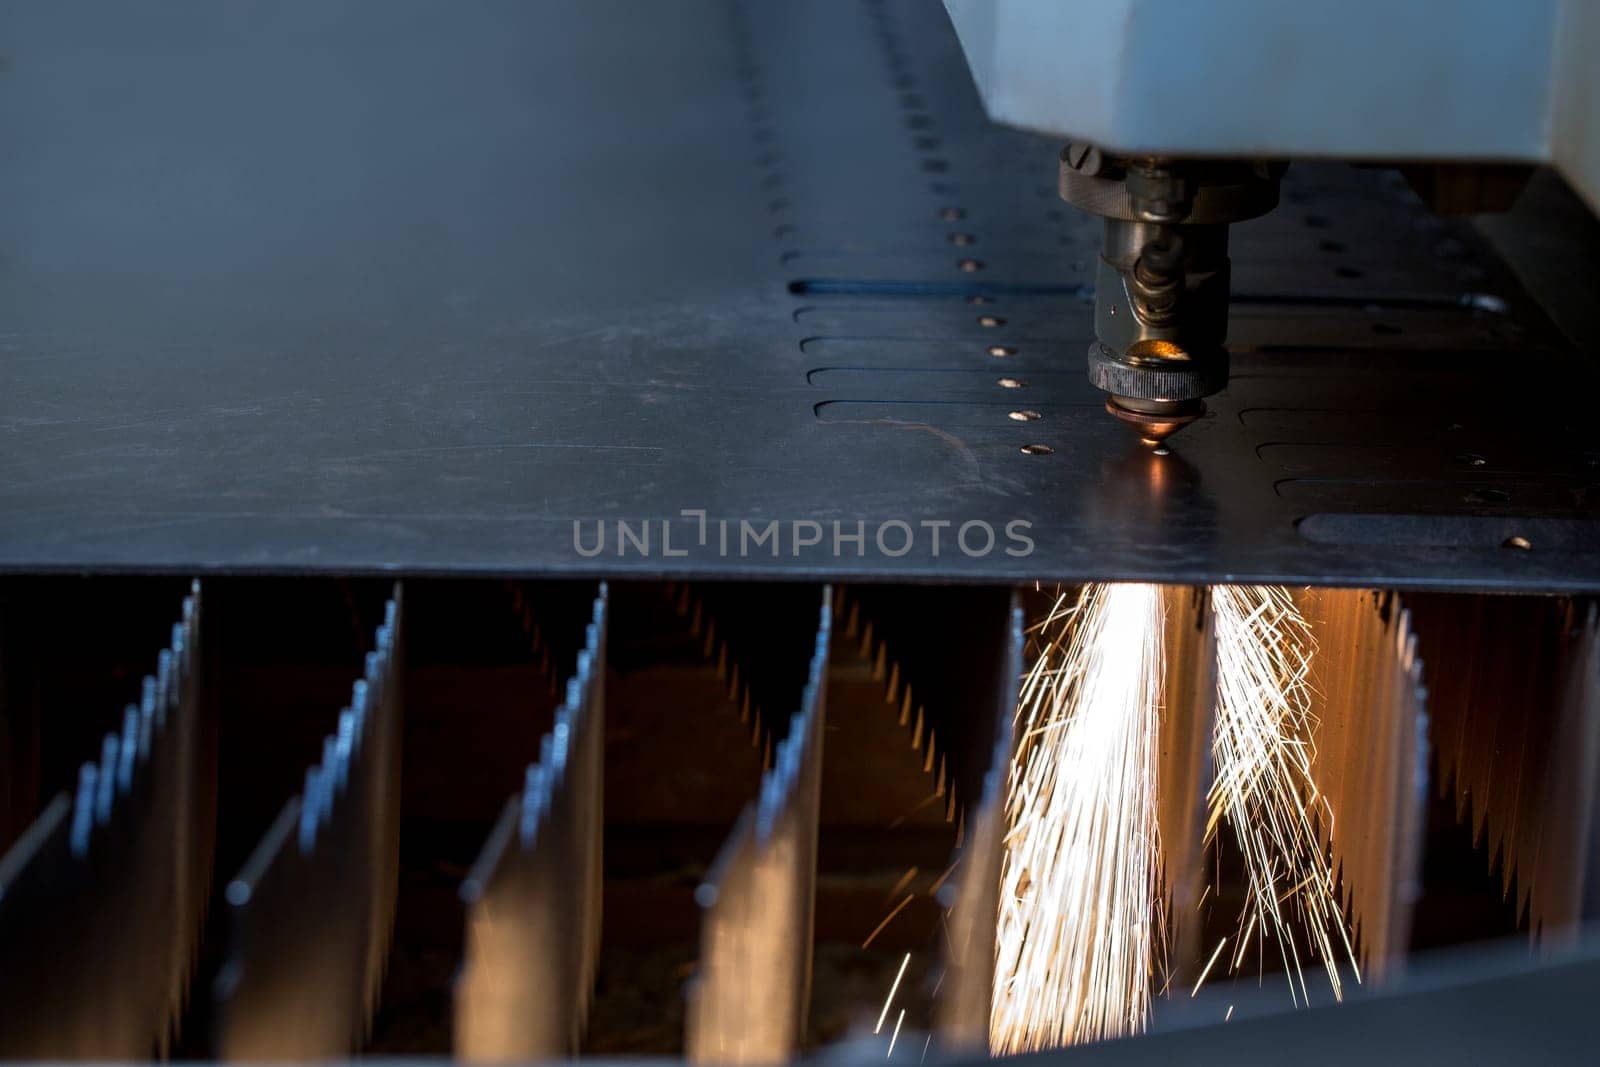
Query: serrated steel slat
(747, 1003)
(103, 898)
(1516, 687)
(972, 896)
(1184, 768)
(311, 913)
(533, 897)
(1371, 762)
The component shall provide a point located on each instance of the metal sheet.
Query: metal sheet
(394, 286)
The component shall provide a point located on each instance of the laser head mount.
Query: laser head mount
(1161, 291)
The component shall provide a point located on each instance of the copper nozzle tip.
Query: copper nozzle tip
(1155, 420)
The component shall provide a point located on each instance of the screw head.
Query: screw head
(1083, 158)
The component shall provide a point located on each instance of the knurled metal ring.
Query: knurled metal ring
(1174, 379)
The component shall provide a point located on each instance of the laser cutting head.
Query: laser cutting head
(1161, 289)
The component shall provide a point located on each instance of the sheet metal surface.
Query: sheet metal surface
(371, 286)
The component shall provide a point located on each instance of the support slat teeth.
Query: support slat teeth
(1519, 754)
(1370, 763)
(965, 988)
(533, 896)
(302, 982)
(1516, 706)
(726, 621)
(899, 689)
(522, 609)
(1184, 772)
(130, 857)
(748, 1001)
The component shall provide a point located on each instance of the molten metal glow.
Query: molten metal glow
(1078, 894)
(1262, 752)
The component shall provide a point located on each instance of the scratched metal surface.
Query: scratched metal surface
(403, 286)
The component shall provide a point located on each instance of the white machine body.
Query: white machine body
(1367, 80)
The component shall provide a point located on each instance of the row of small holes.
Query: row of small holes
(1338, 248)
(1450, 249)
(1447, 248)
(998, 351)
(768, 160)
(924, 131)
(920, 123)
